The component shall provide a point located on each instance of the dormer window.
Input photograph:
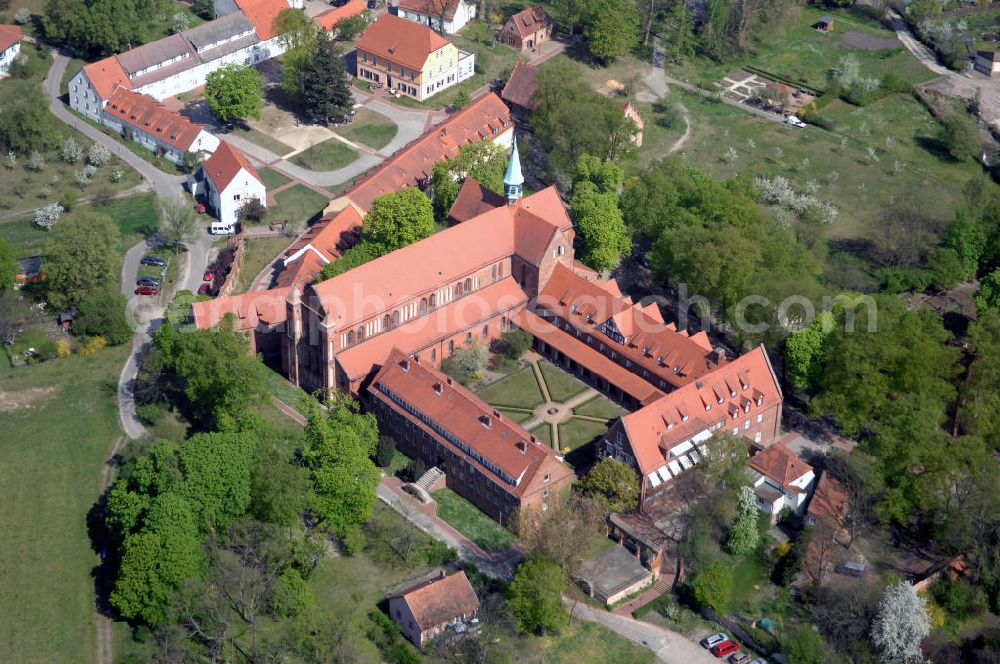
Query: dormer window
(720, 400)
(573, 308)
(708, 407)
(677, 369)
(659, 359)
(486, 421)
(438, 389)
(684, 418)
(746, 408)
(590, 318)
(760, 401)
(732, 393)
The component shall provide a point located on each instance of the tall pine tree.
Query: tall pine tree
(326, 88)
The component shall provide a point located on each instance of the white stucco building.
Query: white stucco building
(446, 16)
(227, 181)
(10, 45)
(781, 479)
(146, 121)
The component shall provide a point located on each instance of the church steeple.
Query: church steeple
(513, 181)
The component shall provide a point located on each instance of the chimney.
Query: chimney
(533, 439)
(449, 380)
(718, 354)
(522, 446)
(496, 413)
(438, 388)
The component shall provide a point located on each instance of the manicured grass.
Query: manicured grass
(271, 178)
(750, 575)
(576, 437)
(329, 155)
(543, 432)
(260, 253)
(519, 390)
(132, 214)
(516, 416)
(467, 519)
(562, 386)
(600, 406)
(279, 386)
(369, 128)
(297, 204)
(263, 140)
(53, 455)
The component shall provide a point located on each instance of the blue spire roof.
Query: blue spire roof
(513, 175)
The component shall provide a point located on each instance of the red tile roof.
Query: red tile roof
(441, 600)
(106, 75)
(400, 41)
(9, 35)
(486, 117)
(667, 353)
(328, 20)
(746, 386)
(521, 86)
(257, 307)
(473, 200)
(780, 464)
(581, 353)
(434, 8)
(490, 440)
(262, 14)
(323, 243)
(152, 117)
(225, 164)
(829, 500)
(529, 21)
(443, 322)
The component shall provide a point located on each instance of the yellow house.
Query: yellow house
(410, 58)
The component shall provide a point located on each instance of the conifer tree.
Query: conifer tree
(326, 88)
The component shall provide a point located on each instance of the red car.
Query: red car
(209, 275)
(200, 207)
(147, 290)
(205, 289)
(724, 648)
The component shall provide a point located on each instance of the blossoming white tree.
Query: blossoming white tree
(901, 624)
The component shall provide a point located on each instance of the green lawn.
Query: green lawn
(133, 214)
(279, 386)
(576, 438)
(297, 204)
(74, 66)
(260, 253)
(543, 432)
(467, 519)
(580, 643)
(271, 178)
(515, 415)
(750, 576)
(329, 155)
(258, 137)
(53, 453)
(600, 406)
(519, 390)
(562, 385)
(369, 128)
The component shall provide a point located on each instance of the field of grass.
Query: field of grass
(519, 390)
(279, 386)
(580, 643)
(297, 204)
(53, 453)
(543, 432)
(329, 155)
(600, 406)
(369, 128)
(263, 140)
(260, 253)
(133, 214)
(271, 178)
(515, 415)
(562, 386)
(467, 519)
(576, 438)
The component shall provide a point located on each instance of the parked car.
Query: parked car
(725, 648)
(739, 658)
(200, 208)
(155, 261)
(205, 289)
(759, 660)
(147, 290)
(147, 281)
(209, 275)
(795, 121)
(714, 640)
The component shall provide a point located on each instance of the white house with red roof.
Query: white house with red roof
(158, 129)
(781, 479)
(227, 180)
(10, 45)
(445, 16)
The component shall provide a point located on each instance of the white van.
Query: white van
(222, 228)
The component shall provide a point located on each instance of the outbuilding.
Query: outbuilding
(425, 610)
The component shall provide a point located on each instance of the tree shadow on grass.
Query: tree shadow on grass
(936, 147)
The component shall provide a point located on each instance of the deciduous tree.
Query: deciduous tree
(612, 483)
(536, 597)
(396, 220)
(81, 256)
(595, 211)
(713, 585)
(8, 265)
(233, 92)
(743, 534)
(104, 314)
(901, 624)
(178, 225)
(611, 28)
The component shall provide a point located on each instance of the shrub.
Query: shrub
(150, 413)
(68, 200)
(70, 151)
(253, 211)
(713, 585)
(415, 470)
(92, 345)
(385, 452)
(98, 155)
(354, 541)
(104, 314)
(36, 161)
(515, 343)
(22, 16)
(960, 598)
(291, 594)
(63, 348)
(439, 553)
(48, 215)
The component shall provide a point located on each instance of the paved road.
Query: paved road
(669, 647)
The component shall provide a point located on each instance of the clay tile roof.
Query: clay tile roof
(529, 21)
(328, 20)
(400, 41)
(473, 200)
(645, 426)
(434, 8)
(780, 464)
(9, 35)
(521, 86)
(251, 309)
(106, 75)
(494, 443)
(148, 115)
(829, 500)
(225, 164)
(441, 600)
(486, 117)
(324, 242)
(262, 14)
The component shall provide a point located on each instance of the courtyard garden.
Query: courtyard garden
(329, 155)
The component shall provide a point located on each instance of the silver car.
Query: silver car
(714, 640)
